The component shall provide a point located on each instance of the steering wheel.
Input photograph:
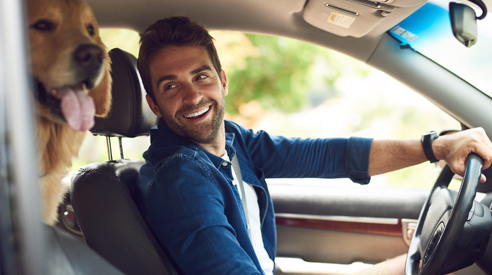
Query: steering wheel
(443, 239)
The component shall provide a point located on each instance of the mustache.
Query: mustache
(192, 107)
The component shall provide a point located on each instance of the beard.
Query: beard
(205, 132)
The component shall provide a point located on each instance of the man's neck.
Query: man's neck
(216, 147)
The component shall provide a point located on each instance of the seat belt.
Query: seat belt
(239, 177)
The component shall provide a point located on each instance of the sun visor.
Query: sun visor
(352, 17)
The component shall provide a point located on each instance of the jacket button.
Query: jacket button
(225, 163)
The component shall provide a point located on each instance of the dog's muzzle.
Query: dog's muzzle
(89, 59)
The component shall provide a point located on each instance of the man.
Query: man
(188, 185)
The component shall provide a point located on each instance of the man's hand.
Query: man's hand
(455, 148)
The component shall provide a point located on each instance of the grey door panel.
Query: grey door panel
(355, 201)
(326, 246)
(343, 224)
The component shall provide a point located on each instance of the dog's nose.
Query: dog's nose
(89, 56)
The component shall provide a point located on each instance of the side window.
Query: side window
(292, 88)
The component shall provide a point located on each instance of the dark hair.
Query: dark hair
(172, 31)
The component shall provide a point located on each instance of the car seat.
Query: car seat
(103, 193)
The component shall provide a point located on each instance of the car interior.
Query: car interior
(359, 225)
(103, 198)
(103, 195)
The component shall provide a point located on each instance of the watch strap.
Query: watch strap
(426, 140)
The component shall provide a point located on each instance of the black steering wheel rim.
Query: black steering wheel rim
(456, 221)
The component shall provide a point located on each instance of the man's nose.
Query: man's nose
(191, 94)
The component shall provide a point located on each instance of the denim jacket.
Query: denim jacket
(189, 201)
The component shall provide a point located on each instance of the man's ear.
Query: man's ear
(223, 82)
(153, 106)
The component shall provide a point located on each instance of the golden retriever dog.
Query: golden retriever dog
(71, 69)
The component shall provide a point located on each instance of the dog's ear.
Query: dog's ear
(102, 93)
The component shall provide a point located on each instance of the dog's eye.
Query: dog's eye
(42, 25)
(90, 29)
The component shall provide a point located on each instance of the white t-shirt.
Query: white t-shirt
(255, 224)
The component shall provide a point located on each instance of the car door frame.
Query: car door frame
(22, 219)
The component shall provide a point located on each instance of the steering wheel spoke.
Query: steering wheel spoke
(431, 245)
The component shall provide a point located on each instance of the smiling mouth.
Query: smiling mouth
(198, 114)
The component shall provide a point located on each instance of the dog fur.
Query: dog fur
(62, 38)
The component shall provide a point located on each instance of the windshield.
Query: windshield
(434, 38)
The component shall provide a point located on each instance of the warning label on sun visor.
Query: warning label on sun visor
(404, 33)
(340, 20)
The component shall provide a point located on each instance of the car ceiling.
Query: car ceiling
(274, 17)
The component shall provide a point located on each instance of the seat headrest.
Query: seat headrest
(130, 116)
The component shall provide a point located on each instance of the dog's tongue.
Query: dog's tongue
(77, 108)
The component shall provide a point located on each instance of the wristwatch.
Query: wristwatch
(427, 139)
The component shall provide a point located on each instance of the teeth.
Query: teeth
(198, 113)
(54, 92)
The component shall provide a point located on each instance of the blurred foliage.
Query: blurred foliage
(278, 75)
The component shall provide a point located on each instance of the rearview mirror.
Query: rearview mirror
(463, 23)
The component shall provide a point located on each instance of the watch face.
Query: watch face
(431, 133)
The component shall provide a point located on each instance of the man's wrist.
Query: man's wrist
(426, 140)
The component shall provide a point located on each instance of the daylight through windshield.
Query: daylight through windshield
(434, 38)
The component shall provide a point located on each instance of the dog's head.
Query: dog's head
(69, 62)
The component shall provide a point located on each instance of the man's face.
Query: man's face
(189, 92)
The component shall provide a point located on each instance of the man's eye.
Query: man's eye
(170, 86)
(202, 76)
